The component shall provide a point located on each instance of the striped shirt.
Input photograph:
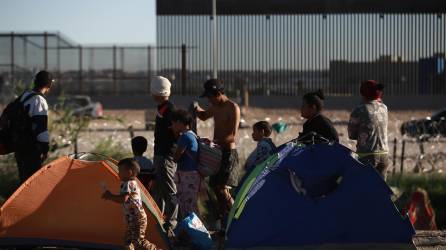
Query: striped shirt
(37, 109)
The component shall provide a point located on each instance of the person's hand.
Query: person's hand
(195, 105)
(206, 140)
(43, 149)
(106, 195)
(44, 156)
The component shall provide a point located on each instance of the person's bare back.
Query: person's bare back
(226, 114)
(226, 119)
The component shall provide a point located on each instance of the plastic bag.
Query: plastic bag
(197, 232)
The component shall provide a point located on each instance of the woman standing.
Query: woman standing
(368, 126)
(311, 110)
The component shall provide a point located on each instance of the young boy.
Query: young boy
(147, 174)
(265, 146)
(187, 177)
(164, 189)
(130, 197)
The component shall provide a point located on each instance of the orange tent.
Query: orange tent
(61, 205)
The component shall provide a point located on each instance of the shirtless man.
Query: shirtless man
(226, 114)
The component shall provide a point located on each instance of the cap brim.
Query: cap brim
(204, 95)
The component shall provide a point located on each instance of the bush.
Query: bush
(9, 177)
(110, 148)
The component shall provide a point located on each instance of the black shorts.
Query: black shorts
(229, 173)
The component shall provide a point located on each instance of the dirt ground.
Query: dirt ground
(136, 118)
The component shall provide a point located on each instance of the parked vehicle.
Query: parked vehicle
(430, 126)
(81, 105)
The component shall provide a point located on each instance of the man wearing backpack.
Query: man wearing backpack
(25, 123)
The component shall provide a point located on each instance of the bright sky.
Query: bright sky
(84, 21)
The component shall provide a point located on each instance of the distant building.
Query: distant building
(399, 77)
(432, 75)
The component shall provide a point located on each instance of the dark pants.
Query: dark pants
(227, 176)
(380, 162)
(28, 162)
(165, 189)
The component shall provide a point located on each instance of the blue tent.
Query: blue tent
(312, 195)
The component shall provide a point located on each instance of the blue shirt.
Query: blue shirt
(188, 161)
(145, 164)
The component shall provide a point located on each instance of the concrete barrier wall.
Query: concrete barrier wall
(347, 103)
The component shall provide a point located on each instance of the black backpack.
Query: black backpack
(15, 126)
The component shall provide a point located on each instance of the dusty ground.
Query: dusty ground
(100, 129)
(135, 118)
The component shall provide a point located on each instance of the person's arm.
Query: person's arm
(178, 154)
(38, 111)
(182, 144)
(353, 126)
(333, 131)
(204, 114)
(118, 198)
(262, 152)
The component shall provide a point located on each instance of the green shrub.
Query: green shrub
(9, 177)
(110, 148)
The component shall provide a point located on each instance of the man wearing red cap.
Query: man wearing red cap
(368, 126)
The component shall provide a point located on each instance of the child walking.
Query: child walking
(187, 177)
(130, 197)
(265, 146)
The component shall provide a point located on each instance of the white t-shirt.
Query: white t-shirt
(37, 106)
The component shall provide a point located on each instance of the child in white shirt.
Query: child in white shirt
(130, 197)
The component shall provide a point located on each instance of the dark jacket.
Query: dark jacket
(322, 126)
(164, 136)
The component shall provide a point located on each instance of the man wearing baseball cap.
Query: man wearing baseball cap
(164, 150)
(226, 114)
(368, 126)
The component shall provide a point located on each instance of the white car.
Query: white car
(81, 105)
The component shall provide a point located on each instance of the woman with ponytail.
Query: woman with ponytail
(312, 106)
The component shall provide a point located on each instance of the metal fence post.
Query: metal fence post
(403, 148)
(81, 82)
(12, 57)
(115, 87)
(395, 142)
(25, 52)
(45, 50)
(58, 55)
(149, 67)
(76, 149)
(183, 69)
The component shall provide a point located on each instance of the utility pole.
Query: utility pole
(183, 69)
(214, 38)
